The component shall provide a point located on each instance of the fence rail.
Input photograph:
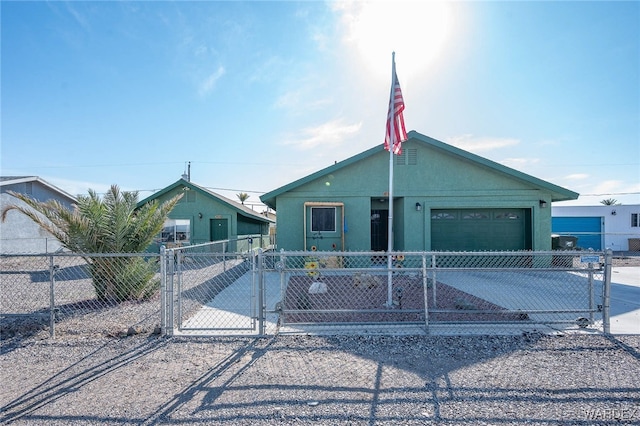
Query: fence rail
(333, 292)
(207, 290)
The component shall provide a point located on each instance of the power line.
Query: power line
(611, 193)
(230, 189)
(231, 163)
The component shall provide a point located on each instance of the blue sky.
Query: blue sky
(258, 94)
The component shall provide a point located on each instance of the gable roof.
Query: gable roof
(12, 180)
(238, 207)
(558, 193)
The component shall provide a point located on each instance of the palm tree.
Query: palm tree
(609, 202)
(243, 196)
(112, 224)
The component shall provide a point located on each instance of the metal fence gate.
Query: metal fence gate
(207, 291)
(266, 292)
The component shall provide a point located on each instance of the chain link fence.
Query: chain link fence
(370, 292)
(79, 294)
(207, 290)
(113, 294)
(196, 279)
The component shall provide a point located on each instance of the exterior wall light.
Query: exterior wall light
(543, 204)
(418, 207)
(199, 215)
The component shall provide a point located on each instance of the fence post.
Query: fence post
(52, 301)
(425, 290)
(171, 273)
(261, 302)
(179, 258)
(433, 278)
(224, 256)
(281, 265)
(163, 290)
(591, 293)
(606, 303)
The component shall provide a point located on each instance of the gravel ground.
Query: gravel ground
(341, 380)
(94, 373)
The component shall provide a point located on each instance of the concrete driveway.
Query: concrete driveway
(625, 300)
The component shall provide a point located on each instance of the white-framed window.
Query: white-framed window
(323, 219)
(635, 220)
(176, 231)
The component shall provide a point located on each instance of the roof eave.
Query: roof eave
(558, 193)
(23, 179)
(269, 198)
(191, 186)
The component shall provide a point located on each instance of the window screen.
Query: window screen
(323, 219)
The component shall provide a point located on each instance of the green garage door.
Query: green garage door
(481, 229)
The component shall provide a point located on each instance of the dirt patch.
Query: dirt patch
(363, 298)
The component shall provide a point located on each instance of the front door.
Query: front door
(219, 229)
(379, 230)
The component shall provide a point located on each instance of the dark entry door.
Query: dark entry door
(379, 230)
(219, 230)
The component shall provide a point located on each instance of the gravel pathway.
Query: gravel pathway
(343, 380)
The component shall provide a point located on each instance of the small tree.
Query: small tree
(609, 202)
(112, 224)
(243, 196)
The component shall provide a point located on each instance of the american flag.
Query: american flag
(395, 117)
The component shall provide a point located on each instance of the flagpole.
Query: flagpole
(390, 218)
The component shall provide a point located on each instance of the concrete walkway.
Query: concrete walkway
(234, 310)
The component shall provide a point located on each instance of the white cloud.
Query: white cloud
(329, 134)
(609, 187)
(288, 100)
(623, 192)
(577, 176)
(472, 143)
(209, 83)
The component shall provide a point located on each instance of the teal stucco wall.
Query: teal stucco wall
(430, 176)
(200, 208)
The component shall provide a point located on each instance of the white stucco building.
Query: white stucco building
(599, 227)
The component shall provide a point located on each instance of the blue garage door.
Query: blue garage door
(587, 229)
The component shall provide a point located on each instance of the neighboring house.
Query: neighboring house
(202, 216)
(445, 198)
(599, 227)
(18, 233)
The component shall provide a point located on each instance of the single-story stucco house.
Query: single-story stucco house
(202, 216)
(18, 233)
(445, 198)
(615, 227)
